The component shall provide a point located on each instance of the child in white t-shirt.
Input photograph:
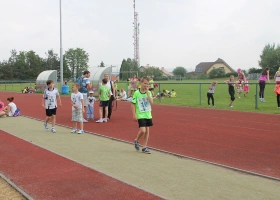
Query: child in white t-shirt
(78, 109)
(90, 106)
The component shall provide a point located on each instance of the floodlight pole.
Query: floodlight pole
(61, 51)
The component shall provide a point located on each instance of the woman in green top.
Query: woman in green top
(141, 111)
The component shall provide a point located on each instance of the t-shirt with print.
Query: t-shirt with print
(91, 101)
(76, 99)
(142, 104)
(50, 98)
(212, 90)
(104, 92)
(84, 81)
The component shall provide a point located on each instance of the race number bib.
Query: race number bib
(51, 101)
(144, 105)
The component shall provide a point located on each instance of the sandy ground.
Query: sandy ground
(159, 173)
(7, 192)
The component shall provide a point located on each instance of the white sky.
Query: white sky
(172, 32)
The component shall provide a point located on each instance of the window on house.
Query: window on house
(198, 70)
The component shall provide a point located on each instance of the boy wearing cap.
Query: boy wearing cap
(90, 106)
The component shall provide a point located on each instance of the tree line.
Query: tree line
(27, 65)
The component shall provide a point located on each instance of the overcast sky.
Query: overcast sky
(172, 32)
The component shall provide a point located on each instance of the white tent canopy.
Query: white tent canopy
(43, 77)
(97, 74)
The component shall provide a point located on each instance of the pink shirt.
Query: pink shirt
(1, 106)
(263, 78)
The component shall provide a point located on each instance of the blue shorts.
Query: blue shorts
(104, 104)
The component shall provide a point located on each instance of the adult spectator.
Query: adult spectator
(110, 84)
(85, 87)
(134, 84)
(262, 80)
(10, 109)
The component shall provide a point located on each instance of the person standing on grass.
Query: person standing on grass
(231, 91)
(210, 93)
(151, 86)
(277, 87)
(85, 86)
(104, 97)
(49, 102)
(262, 81)
(110, 85)
(246, 87)
(78, 109)
(142, 112)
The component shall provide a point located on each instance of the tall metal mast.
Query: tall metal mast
(136, 36)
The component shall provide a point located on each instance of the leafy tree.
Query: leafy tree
(102, 64)
(180, 71)
(77, 61)
(254, 70)
(270, 57)
(152, 71)
(128, 68)
(217, 73)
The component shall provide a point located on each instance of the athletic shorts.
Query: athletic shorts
(145, 122)
(85, 96)
(50, 112)
(104, 103)
(77, 115)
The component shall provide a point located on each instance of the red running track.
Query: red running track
(45, 175)
(250, 141)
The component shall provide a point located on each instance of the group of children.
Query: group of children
(141, 108)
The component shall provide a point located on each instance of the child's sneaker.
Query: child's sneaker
(105, 120)
(136, 145)
(81, 131)
(53, 130)
(146, 150)
(263, 100)
(46, 126)
(99, 121)
(85, 121)
(74, 131)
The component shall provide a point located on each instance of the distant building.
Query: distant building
(164, 71)
(206, 67)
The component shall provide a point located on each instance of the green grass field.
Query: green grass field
(189, 95)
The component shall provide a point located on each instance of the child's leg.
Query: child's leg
(106, 112)
(100, 112)
(81, 125)
(146, 137)
(208, 97)
(140, 133)
(212, 98)
(53, 120)
(75, 125)
(88, 112)
(278, 100)
(48, 119)
(92, 112)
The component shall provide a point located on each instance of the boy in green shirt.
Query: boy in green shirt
(141, 111)
(104, 96)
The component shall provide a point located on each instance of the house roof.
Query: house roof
(204, 66)
(167, 73)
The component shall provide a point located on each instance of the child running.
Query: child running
(104, 96)
(49, 103)
(78, 109)
(90, 106)
(141, 112)
(210, 93)
(231, 91)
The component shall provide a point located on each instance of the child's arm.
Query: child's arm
(83, 108)
(59, 100)
(133, 108)
(43, 102)
(149, 97)
(227, 81)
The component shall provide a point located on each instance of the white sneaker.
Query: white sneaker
(81, 131)
(46, 126)
(105, 119)
(99, 121)
(85, 120)
(263, 100)
(53, 130)
(74, 131)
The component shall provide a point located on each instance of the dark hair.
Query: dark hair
(264, 72)
(10, 99)
(104, 81)
(86, 72)
(49, 82)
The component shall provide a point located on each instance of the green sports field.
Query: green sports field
(188, 94)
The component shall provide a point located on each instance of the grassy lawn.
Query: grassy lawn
(189, 95)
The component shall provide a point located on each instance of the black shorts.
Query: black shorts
(145, 122)
(151, 89)
(50, 112)
(104, 104)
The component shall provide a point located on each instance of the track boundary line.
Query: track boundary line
(89, 167)
(21, 191)
(174, 154)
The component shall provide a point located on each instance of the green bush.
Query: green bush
(235, 74)
(202, 76)
(217, 73)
